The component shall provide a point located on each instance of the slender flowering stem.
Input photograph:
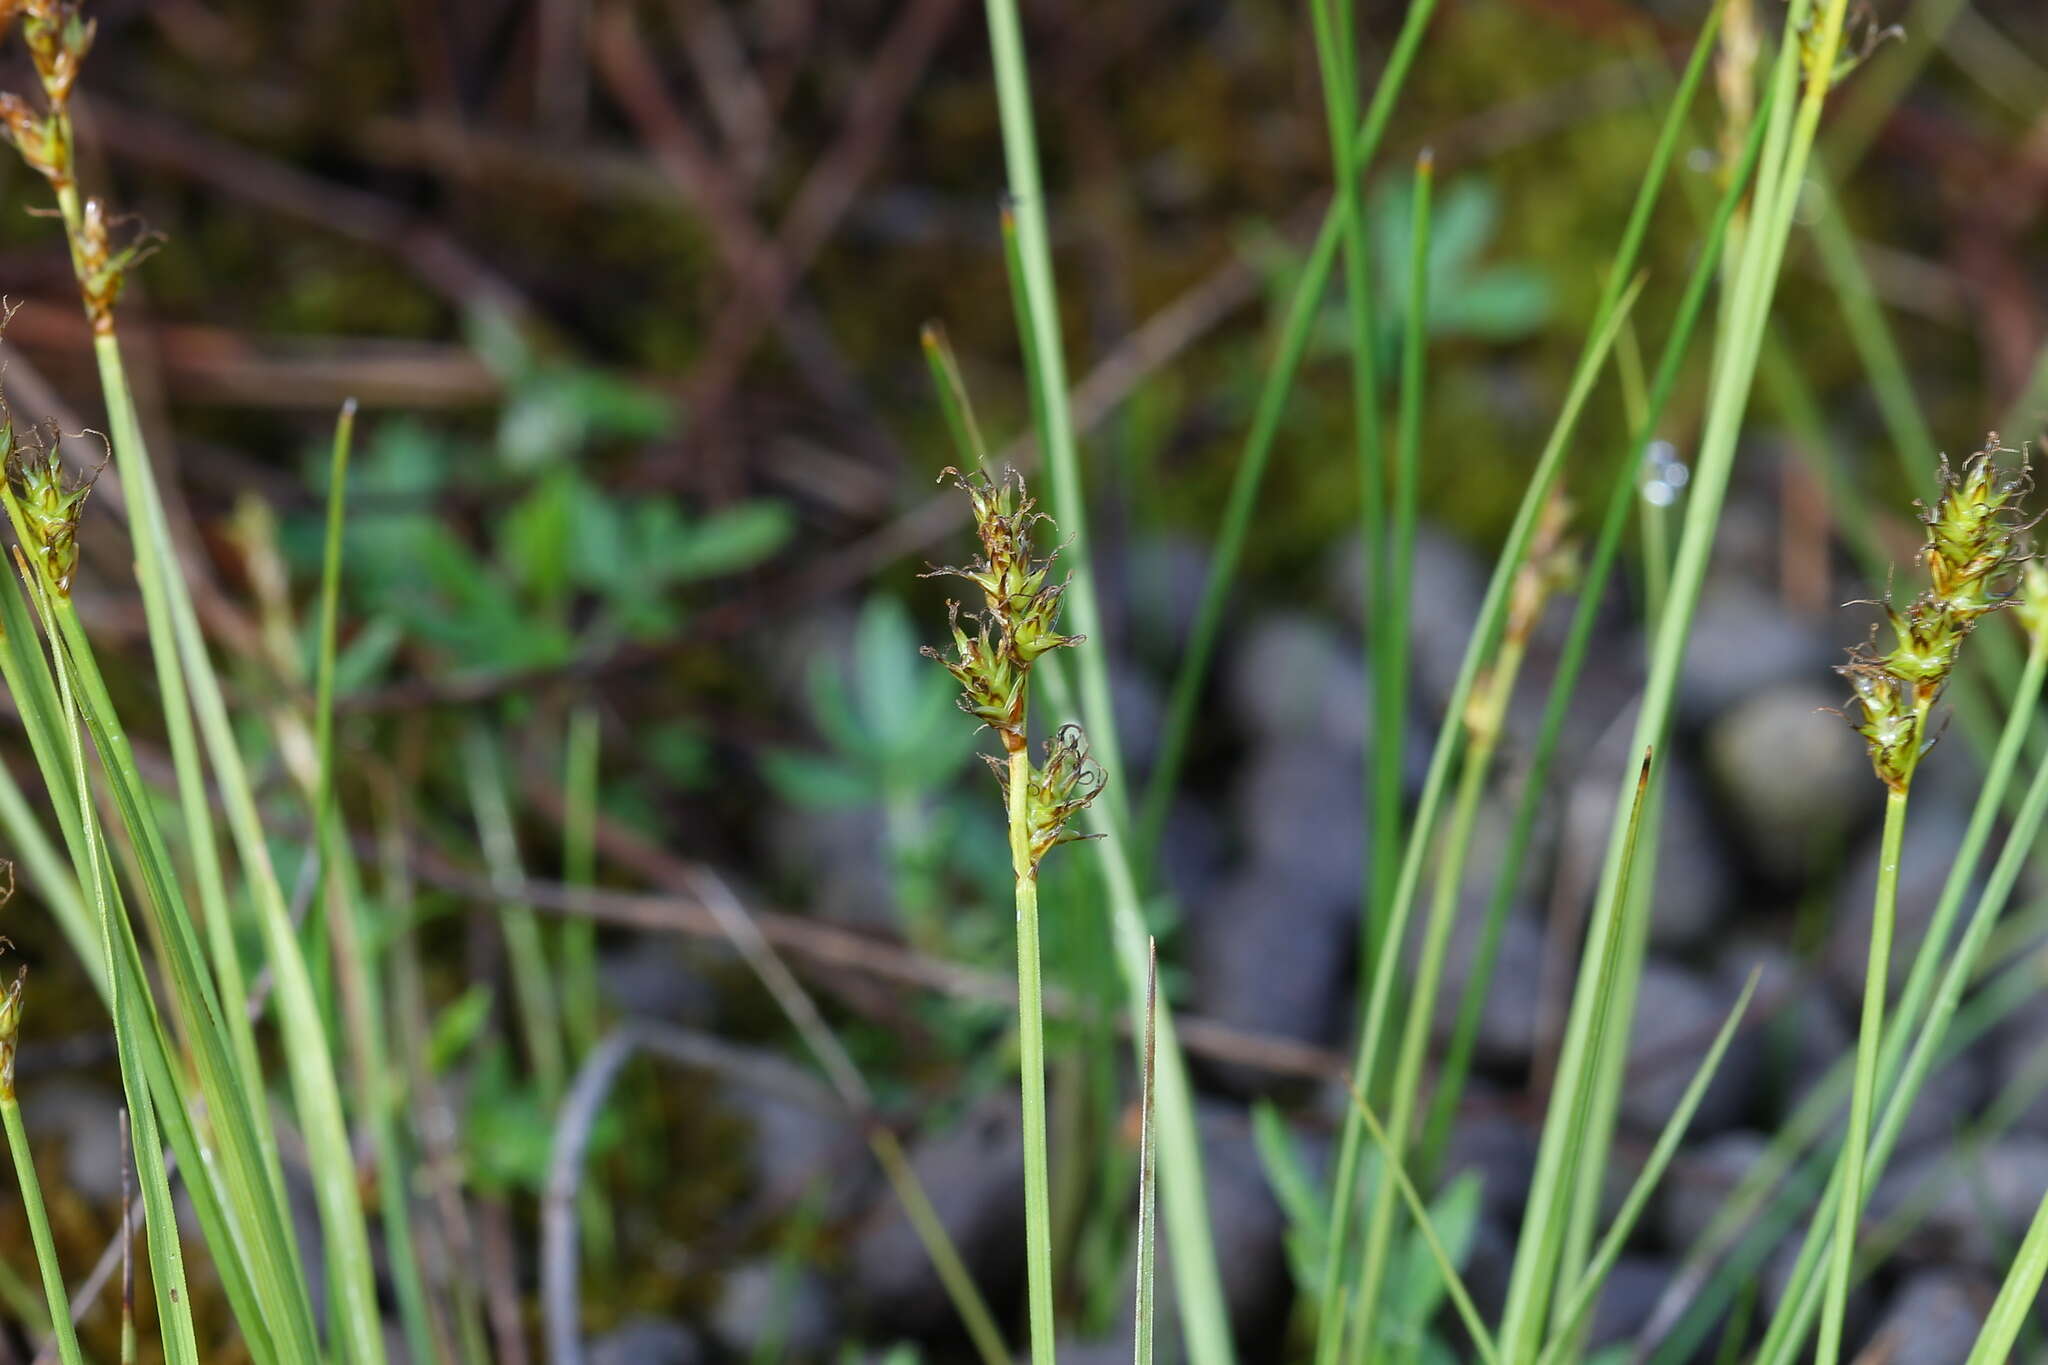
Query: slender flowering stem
(1884, 911)
(1973, 558)
(1018, 625)
(1147, 1173)
(1031, 1061)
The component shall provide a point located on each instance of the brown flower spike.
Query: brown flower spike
(1017, 625)
(104, 246)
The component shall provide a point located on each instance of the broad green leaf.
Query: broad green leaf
(814, 780)
(457, 1026)
(728, 541)
(533, 537)
(1300, 1199)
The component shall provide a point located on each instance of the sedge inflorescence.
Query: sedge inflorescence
(993, 652)
(10, 1030)
(1975, 554)
(48, 496)
(104, 246)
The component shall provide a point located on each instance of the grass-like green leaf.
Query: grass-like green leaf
(1570, 1112)
(1587, 1292)
(2011, 1310)
(1147, 1172)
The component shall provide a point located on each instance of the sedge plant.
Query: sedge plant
(1548, 569)
(191, 1073)
(1803, 72)
(1377, 1021)
(1016, 627)
(1927, 1027)
(1184, 1216)
(1971, 555)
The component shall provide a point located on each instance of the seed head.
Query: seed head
(1019, 620)
(1018, 623)
(49, 497)
(1014, 584)
(1975, 558)
(1060, 788)
(1973, 535)
(991, 683)
(108, 248)
(1887, 717)
(58, 37)
(1551, 566)
(39, 140)
(10, 1028)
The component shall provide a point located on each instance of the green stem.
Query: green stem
(2016, 1296)
(1335, 48)
(1429, 970)
(1535, 781)
(52, 706)
(1303, 307)
(1492, 616)
(39, 1229)
(150, 541)
(1564, 1342)
(1475, 1326)
(938, 1244)
(1788, 144)
(1914, 1001)
(330, 610)
(1205, 1324)
(1407, 1085)
(1031, 1057)
(1801, 1300)
(167, 1257)
(1653, 517)
(308, 1058)
(532, 977)
(1147, 1173)
(362, 998)
(579, 868)
(1884, 911)
(1042, 320)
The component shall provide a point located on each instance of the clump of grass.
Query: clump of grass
(1017, 626)
(191, 1073)
(1972, 556)
(1549, 568)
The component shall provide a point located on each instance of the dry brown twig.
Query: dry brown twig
(766, 272)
